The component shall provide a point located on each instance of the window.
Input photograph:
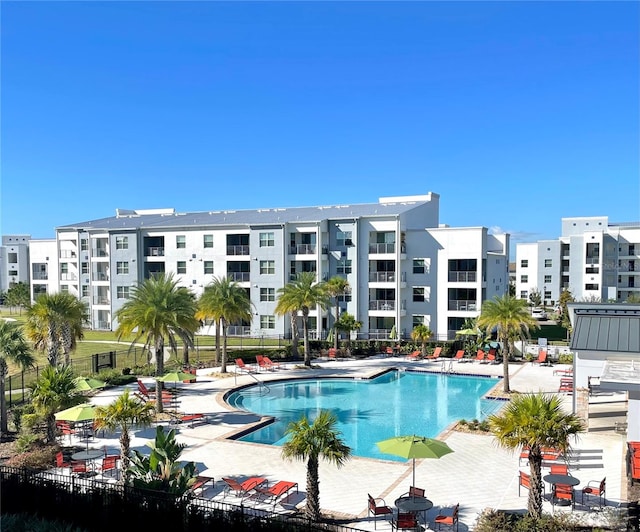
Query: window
(181, 266)
(84, 244)
(418, 293)
(208, 241)
(208, 267)
(547, 295)
(13, 258)
(418, 319)
(122, 267)
(548, 263)
(85, 290)
(122, 242)
(267, 321)
(547, 278)
(267, 267)
(419, 266)
(64, 267)
(84, 267)
(267, 294)
(524, 263)
(344, 238)
(524, 294)
(122, 292)
(524, 278)
(592, 286)
(64, 288)
(181, 241)
(344, 266)
(267, 240)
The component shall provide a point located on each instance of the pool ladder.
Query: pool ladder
(447, 366)
(262, 387)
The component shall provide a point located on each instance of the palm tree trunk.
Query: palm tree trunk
(335, 328)
(223, 363)
(51, 427)
(313, 490)
(217, 341)
(125, 441)
(159, 372)
(53, 346)
(535, 492)
(294, 334)
(505, 363)
(4, 423)
(185, 354)
(67, 343)
(305, 329)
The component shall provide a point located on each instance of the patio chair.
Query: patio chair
(566, 385)
(559, 469)
(65, 429)
(563, 492)
(242, 489)
(378, 507)
(524, 481)
(405, 521)
(596, 488)
(110, 463)
(524, 455)
(448, 520)
(279, 490)
(79, 468)
(60, 461)
(241, 366)
(435, 354)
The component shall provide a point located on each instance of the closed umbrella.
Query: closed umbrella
(393, 333)
(414, 447)
(86, 384)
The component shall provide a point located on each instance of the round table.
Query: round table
(561, 479)
(413, 504)
(88, 455)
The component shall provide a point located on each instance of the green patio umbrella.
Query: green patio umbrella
(177, 376)
(86, 384)
(468, 332)
(83, 412)
(414, 447)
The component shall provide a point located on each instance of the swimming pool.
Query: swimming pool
(370, 410)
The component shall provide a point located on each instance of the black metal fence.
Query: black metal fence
(98, 506)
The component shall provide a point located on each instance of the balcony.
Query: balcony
(238, 330)
(382, 277)
(100, 300)
(382, 304)
(99, 276)
(99, 252)
(379, 334)
(238, 250)
(68, 277)
(67, 254)
(375, 249)
(103, 325)
(154, 252)
(463, 277)
(40, 276)
(302, 249)
(592, 260)
(463, 305)
(239, 277)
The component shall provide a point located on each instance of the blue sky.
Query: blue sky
(516, 113)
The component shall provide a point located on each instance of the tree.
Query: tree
(161, 470)
(510, 319)
(54, 390)
(565, 297)
(13, 348)
(123, 413)
(337, 286)
(54, 323)
(302, 295)
(226, 301)
(535, 297)
(347, 322)
(18, 295)
(535, 421)
(311, 442)
(421, 333)
(158, 309)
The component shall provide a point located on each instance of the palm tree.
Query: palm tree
(302, 295)
(511, 320)
(158, 309)
(347, 322)
(54, 390)
(15, 348)
(535, 421)
(226, 301)
(124, 413)
(311, 442)
(421, 333)
(54, 323)
(336, 286)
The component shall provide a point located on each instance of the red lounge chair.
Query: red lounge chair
(479, 356)
(435, 354)
(241, 366)
(542, 358)
(460, 356)
(152, 395)
(275, 492)
(201, 483)
(491, 356)
(448, 520)
(596, 488)
(192, 418)
(271, 363)
(416, 355)
(566, 386)
(377, 509)
(389, 351)
(242, 489)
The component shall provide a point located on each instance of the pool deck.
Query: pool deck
(478, 474)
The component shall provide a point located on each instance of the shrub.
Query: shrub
(31, 523)
(501, 521)
(25, 441)
(40, 457)
(565, 358)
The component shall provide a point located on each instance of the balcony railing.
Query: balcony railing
(154, 252)
(382, 248)
(99, 252)
(99, 276)
(238, 330)
(382, 304)
(239, 277)
(103, 325)
(40, 276)
(461, 304)
(379, 334)
(592, 260)
(238, 250)
(68, 277)
(382, 277)
(302, 249)
(100, 300)
(67, 254)
(462, 277)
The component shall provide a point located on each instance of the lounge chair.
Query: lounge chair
(332, 353)
(479, 356)
(150, 395)
(279, 490)
(378, 507)
(201, 484)
(542, 358)
(448, 520)
(271, 363)
(566, 385)
(241, 366)
(263, 364)
(459, 356)
(416, 355)
(192, 418)
(565, 372)
(242, 489)
(491, 356)
(435, 354)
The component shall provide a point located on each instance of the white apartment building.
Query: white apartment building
(593, 259)
(14, 261)
(402, 268)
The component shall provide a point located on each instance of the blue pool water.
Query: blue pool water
(393, 404)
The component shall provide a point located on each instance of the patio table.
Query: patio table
(569, 480)
(414, 505)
